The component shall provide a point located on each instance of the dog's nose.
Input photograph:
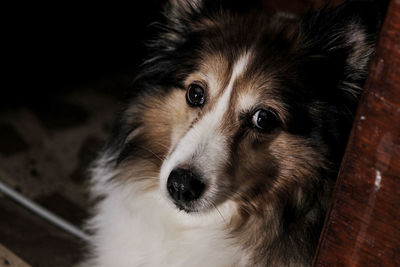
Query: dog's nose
(184, 185)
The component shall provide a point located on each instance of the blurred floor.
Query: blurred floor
(45, 151)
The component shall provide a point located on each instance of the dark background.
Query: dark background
(49, 47)
(52, 47)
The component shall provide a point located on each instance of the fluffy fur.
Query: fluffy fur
(266, 192)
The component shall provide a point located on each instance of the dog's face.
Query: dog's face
(233, 135)
(245, 107)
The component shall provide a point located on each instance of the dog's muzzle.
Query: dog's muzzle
(184, 186)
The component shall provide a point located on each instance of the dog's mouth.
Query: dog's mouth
(186, 189)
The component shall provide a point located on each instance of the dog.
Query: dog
(227, 152)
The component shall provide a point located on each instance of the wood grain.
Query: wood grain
(363, 225)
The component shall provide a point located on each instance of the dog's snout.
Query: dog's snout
(184, 185)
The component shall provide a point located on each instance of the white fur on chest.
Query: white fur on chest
(140, 229)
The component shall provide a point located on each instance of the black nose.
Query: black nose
(184, 185)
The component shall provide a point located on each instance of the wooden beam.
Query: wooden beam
(363, 224)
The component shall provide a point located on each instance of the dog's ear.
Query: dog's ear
(179, 11)
(183, 11)
(183, 15)
(340, 43)
(176, 24)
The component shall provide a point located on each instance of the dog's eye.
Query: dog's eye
(195, 95)
(265, 120)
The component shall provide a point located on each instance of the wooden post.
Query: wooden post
(363, 224)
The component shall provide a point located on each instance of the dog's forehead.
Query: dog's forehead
(217, 72)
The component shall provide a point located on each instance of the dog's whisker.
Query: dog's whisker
(154, 154)
(223, 219)
(161, 145)
(245, 199)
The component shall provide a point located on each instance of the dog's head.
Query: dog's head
(237, 105)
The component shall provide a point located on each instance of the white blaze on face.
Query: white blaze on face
(204, 147)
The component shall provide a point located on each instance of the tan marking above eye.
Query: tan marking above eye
(247, 100)
(251, 91)
(212, 73)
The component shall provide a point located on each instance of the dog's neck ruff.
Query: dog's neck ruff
(140, 229)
